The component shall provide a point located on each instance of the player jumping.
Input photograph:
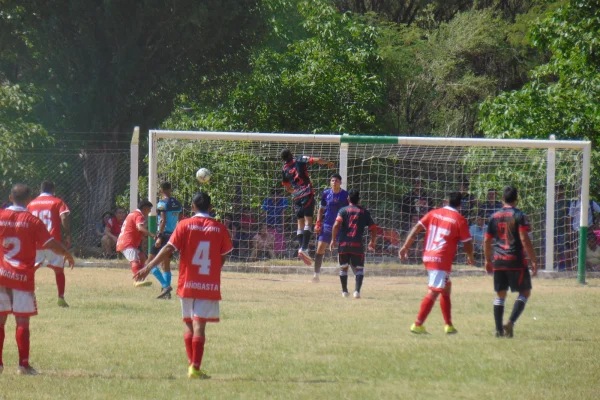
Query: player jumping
(350, 223)
(21, 234)
(509, 228)
(332, 200)
(53, 212)
(203, 244)
(445, 228)
(296, 181)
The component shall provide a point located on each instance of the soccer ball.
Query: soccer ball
(203, 175)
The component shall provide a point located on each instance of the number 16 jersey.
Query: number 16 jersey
(445, 228)
(201, 241)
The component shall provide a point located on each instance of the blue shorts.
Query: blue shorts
(325, 235)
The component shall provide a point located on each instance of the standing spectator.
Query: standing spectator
(417, 203)
(468, 202)
(20, 234)
(491, 205)
(562, 231)
(274, 208)
(477, 232)
(245, 233)
(112, 230)
(53, 212)
(575, 212)
(263, 244)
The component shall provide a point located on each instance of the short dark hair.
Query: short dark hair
(454, 199)
(47, 187)
(144, 204)
(510, 194)
(165, 186)
(286, 155)
(492, 190)
(202, 201)
(338, 176)
(354, 195)
(20, 194)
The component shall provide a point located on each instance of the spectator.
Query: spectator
(245, 233)
(391, 240)
(575, 212)
(415, 255)
(417, 203)
(592, 259)
(477, 231)
(562, 227)
(100, 226)
(468, 202)
(112, 231)
(491, 205)
(274, 208)
(235, 238)
(263, 244)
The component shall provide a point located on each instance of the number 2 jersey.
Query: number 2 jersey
(445, 228)
(353, 221)
(49, 208)
(201, 241)
(504, 226)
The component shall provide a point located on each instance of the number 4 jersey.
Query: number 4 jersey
(201, 241)
(49, 209)
(445, 228)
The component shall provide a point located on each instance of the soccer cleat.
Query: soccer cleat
(356, 295)
(194, 373)
(345, 294)
(28, 370)
(499, 334)
(419, 330)
(508, 330)
(165, 293)
(304, 256)
(1, 369)
(62, 303)
(142, 283)
(450, 330)
(315, 279)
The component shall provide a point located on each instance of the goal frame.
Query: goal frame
(345, 140)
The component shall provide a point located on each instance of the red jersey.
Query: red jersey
(115, 226)
(130, 237)
(49, 208)
(445, 228)
(201, 241)
(20, 234)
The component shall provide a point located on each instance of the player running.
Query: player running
(21, 234)
(445, 228)
(169, 214)
(296, 181)
(203, 244)
(332, 200)
(350, 223)
(508, 228)
(128, 243)
(53, 212)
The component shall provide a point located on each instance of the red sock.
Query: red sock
(426, 306)
(198, 350)
(189, 349)
(22, 337)
(60, 280)
(446, 307)
(1, 342)
(136, 266)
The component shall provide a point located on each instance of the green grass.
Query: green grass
(283, 338)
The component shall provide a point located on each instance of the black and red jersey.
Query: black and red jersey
(295, 173)
(353, 221)
(504, 227)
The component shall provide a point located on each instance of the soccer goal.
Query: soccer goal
(399, 178)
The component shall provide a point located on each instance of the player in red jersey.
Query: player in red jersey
(445, 228)
(53, 212)
(20, 235)
(203, 244)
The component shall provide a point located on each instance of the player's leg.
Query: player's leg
(446, 306)
(134, 256)
(357, 261)
(3, 318)
(299, 211)
(204, 311)
(436, 278)
(165, 288)
(323, 241)
(187, 314)
(520, 281)
(24, 307)
(166, 264)
(56, 264)
(343, 260)
(501, 287)
(5, 310)
(308, 212)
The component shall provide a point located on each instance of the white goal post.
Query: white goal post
(452, 160)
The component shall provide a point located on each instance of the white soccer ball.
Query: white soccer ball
(203, 175)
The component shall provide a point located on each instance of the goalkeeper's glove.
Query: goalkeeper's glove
(318, 227)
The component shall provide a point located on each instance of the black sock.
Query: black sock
(499, 314)
(344, 280)
(518, 309)
(359, 281)
(306, 238)
(318, 262)
(299, 237)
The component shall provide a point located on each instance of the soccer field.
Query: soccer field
(282, 337)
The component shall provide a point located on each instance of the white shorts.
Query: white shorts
(17, 302)
(50, 257)
(438, 279)
(131, 254)
(200, 310)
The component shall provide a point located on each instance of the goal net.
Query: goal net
(399, 179)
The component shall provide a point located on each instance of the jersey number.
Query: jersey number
(15, 246)
(202, 258)
(45, 216)
(352, 225)
(502, 235)
(436, 239)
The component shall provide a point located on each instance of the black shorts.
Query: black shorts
(351, 259)
(164, 239)
(305, 206)
(518, 279)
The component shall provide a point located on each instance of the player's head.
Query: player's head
(454, 199)
(354, 196)
(286, 155)
(145, 206)
(20, 195)
(47, 187)
(335, 181)
(121, 214)
(510, 195)
(201, 202)
(165, 188)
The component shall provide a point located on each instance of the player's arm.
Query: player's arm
(320, 216)
(320, 161)
(65, 219)
(469, 249)
(412, 235)
(488, 251)
(334, 231)
(164, 254)
(524, 235)
(59, 249)
(373, 229)
(161, 228)
(142, 228)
